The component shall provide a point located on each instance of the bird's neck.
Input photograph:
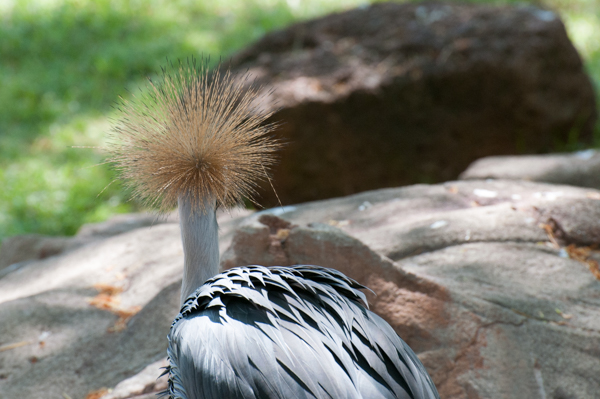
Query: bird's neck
(200, 236)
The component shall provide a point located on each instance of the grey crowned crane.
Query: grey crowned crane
(199, 140)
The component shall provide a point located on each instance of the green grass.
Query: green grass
(63, 64)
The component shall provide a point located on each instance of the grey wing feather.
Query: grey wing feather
(302, 332)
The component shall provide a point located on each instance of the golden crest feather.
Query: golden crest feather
(193, 133)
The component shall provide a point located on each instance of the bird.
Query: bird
(200, 139)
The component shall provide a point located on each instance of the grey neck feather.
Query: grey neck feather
(200, 237)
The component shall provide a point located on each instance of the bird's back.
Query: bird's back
(288, 332)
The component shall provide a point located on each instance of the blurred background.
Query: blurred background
(63, 65)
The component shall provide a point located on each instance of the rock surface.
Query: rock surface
(492, 284)
(16, 251)
(394, 94)
(93, 316)
(577, 169)
(478, 277)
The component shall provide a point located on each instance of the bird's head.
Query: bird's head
(194, 134)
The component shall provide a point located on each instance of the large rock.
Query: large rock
(577, 169)
(394, 94)
(476, 276)
(17, 251)
(492, 284)
(54, 343)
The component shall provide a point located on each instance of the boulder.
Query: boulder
(393, 94)
(493, 283)
(16, 251)
(86, 319)
(577, 169)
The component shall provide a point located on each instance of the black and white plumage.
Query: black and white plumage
(251, 332)
(288, 332)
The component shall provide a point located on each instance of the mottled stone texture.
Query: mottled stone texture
(491, 283)
(395, 94)
(576, 169)
(16, 250)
